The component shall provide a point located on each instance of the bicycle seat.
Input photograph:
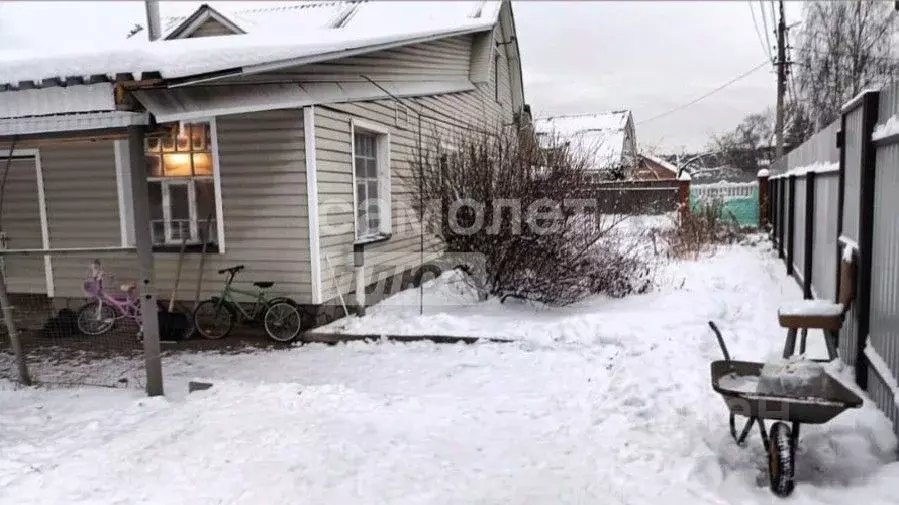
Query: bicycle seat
(232, 270)
(264, 284)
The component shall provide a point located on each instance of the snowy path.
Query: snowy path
(608, 402)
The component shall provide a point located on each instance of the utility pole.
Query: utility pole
(781, 80)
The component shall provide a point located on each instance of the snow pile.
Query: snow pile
(824, 308)
(888, 129)
(607, 402)
(739, 383)
(795, 376)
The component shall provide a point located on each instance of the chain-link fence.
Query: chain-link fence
(76, 315)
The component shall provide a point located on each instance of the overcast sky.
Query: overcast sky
(577, 57)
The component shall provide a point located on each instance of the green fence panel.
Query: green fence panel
(745, 209)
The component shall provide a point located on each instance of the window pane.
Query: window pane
(365, 145)
(183, 140)
(372, 170)
(199, 135)
(176, 164)
(373, 191)
(205, 190)
(154, 166)
(360, 167)
(168, 142)
(179, 201)
(157, 225)
(202, 163)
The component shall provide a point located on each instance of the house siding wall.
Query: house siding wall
(447, 115)
(440, 60)
(262, 163)
(210, 28)
(22, 225)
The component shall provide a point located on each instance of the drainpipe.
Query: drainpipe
(359, 264)
(153, 25)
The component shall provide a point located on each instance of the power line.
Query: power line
(755, 23)
(765, 25)
(710, 93)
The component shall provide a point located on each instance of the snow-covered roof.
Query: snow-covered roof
(358, 15)
(600, 136)
(659, 161)
(375, 25)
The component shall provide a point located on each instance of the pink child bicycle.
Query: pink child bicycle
(101, 314)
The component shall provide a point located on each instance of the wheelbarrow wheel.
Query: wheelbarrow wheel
(780, 460)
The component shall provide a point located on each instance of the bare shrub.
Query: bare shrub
(696, 233)
(523, 209)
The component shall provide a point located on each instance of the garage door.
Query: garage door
(20, 224)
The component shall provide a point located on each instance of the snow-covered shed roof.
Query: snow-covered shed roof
(660, 162)
(273, 37)
(600, 136)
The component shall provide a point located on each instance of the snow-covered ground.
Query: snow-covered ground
(605, 402)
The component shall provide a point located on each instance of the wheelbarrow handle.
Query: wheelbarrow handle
(715, 329)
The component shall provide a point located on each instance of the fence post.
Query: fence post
(871, 101)
(809, 234)
(763, 197)
(791, 223)
(683, 194)
(781, 214)
(773, 196)
(144, 244)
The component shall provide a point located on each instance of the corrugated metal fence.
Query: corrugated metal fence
(841, 187)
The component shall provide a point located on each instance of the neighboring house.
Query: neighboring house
(654, 168)
(608, 140)
(292, 129)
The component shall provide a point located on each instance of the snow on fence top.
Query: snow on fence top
(724, 190)
(817, 167)
(187, 57)
(890, 128)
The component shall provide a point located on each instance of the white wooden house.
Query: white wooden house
(276, 123)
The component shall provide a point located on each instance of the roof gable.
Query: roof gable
(204, 18)
(601, 137)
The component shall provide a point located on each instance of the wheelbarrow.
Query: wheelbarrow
(819, 406)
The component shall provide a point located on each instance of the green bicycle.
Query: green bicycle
(216, 317)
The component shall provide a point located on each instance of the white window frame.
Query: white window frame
(382, 137)
(123, 174)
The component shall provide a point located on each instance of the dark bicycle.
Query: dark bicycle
(216, 317)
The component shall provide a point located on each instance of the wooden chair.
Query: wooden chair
(821, 314)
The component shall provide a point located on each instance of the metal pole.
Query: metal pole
(154, 30)
(14, 341)
(143, 241)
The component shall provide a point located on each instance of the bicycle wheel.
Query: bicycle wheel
(214, 319)
(282, 321)
(96, 318)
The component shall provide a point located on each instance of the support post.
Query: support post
(871, 101)
(841, 184)
(683, 195)
(791, 223)
(143, 241)
(359, 266)
(763, 198)
(809, 235)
